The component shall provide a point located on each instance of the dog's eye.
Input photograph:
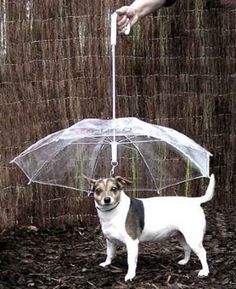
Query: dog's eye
(98, 191)
(113, 189)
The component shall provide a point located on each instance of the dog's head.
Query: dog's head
(107, 192)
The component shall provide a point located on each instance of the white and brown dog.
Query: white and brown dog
(129, 221)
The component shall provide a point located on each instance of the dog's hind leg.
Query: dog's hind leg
(195, 243)
(111, 252)
(201, 253)
(187, 249)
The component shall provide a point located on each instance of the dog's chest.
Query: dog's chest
(126, 222)
(114, 231)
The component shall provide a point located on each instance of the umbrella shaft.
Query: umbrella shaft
(113, 44)
(113, 83)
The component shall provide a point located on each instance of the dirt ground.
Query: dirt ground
(68, 258)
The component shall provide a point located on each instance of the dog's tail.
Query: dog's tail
(209, 192)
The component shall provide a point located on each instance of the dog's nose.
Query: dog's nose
(107, 200)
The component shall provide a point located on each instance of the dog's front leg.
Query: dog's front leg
(111, 252)
(132, 252)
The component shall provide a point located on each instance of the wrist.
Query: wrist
(142, 8)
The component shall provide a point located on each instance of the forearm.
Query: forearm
(145, 7)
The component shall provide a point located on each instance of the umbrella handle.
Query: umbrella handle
(114, 162)
(114, 28)
(114, 153)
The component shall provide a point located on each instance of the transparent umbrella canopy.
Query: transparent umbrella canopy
(153, 157)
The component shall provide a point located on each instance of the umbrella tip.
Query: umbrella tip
(29, 182)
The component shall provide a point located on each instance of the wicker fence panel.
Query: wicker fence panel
(177, 68)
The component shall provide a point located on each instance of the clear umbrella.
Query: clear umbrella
(153, 157)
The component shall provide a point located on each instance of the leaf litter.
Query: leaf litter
(67, 258)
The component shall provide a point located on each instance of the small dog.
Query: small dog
(129, 221)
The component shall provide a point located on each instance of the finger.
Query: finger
(125, 30)
(123, 26)
(123, 10)
(122, 21)
(133, 20)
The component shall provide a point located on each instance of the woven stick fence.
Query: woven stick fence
(177, 68)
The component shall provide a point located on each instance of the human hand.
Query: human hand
(126, 18)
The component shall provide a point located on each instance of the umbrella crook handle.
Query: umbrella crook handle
(113, 166)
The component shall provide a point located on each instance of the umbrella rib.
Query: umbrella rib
(25, 152)
(144, 163)
(188, 157)
(203, 172)
(61, 186)
(47, 161)
(181, 182)
(96, 161)
(109, 140)
(124, 140)
(141, 141)
(93, 143)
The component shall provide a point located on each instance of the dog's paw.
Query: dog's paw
(129, 277)
(104, 264)
(203, 273)
(183, 262)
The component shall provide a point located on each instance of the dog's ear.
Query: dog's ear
(90, 181)
(122, 181)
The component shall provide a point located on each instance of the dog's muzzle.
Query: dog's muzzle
(107, 200)
(107, 205)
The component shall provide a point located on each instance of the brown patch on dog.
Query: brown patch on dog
(111, 187)
(134, 223)
(122, 181)
(98, 189)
